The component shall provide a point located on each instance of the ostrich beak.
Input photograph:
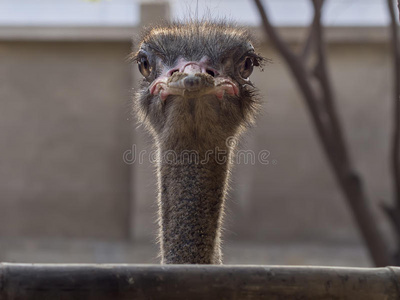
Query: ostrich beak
(198, 83)
(193, 80)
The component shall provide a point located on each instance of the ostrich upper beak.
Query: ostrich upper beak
(192, 80)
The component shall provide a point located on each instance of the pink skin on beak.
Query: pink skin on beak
(222, 84)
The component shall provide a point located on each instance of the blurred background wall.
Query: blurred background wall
(66, 127)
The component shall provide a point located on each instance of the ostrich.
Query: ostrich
(195, 99)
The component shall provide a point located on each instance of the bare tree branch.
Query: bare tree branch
(309, 40)
(335, 127)
(326, 123)
(398, 7)
(396, 96)
(304, 54)
(394, 212)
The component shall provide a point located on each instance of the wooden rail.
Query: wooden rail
(102, 281)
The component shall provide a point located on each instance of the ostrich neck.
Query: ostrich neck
(192, 192)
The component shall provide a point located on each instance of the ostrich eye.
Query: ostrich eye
(247, 67)
(144, 66)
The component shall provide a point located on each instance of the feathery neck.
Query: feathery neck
(192, 186)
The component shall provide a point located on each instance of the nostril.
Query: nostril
(210, 72)
(172, 72)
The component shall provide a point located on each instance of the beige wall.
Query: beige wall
(63, 128)
(65, 123)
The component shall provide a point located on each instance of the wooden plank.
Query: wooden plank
(102, 281)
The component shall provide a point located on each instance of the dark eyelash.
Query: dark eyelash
(258, 60)
(133, 57)
(136, 56)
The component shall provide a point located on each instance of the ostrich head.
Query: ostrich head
(196, 96)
